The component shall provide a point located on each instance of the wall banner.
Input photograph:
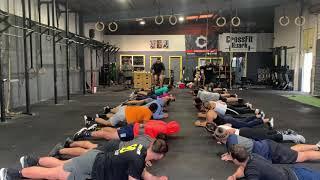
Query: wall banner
(238, 42)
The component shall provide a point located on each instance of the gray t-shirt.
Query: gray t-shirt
(206, 96)
(145, 140)
(233, 139)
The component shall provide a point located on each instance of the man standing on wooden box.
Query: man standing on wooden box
(157, 71)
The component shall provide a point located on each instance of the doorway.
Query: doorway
(152, 60)
(306, 72)
(175, 68)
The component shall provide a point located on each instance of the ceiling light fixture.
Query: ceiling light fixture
(181, 19)
(142, 22)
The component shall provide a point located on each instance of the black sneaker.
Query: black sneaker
(87, 120)
(82, 133)
(210, 127)
(67, 142)
(55, 151)
(93, 127)
(106, 109)
(101, 116)
(9, 174)
(28, 161)
(290, 131)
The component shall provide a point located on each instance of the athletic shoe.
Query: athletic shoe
(93, 127)
(28, 161)
(263, 115)
(300, 139)
(271, 122)
(9, 174)
(87, 120)
(318, 145)
(55, 151)
(100, 116)
(210, 127)
(81, 134)
(290, 131)
(106, 109)
(67, 142)
(257, 111)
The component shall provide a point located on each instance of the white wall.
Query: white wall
(290, 36)
(15, 7)
(142, 42)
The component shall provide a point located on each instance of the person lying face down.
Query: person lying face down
(122, 164)
(253, 167)
(126, 133)
(78, 148)
(206, 96)
(270, 150)
(127, 114)
(253, 121)
(258, 133)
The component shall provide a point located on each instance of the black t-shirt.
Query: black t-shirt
(208, 71)
(118, 165)
(260, 168)
(158, 67)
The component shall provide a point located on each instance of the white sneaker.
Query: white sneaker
(2, 173)
(271, 122)
(318, 145)
(301, 139)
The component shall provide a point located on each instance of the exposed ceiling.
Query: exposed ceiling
(108, 10)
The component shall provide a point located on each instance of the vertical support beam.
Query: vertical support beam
(53, 2)
(3, 113)
(109, 68)
(40, 39)
(26, 66)
(91, 68)
(30, 36)
(77, 45)
(67, 49)
(81, 56)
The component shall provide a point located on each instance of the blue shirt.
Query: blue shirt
(159, 112)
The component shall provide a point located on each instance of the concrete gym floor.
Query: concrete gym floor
(192, 153)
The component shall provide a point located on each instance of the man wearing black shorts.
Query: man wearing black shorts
(275, 152)
(254, 166)
(157, 71)
(122, 164)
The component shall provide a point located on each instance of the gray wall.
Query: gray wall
(41, 84)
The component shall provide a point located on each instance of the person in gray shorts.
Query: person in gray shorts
(122, 164)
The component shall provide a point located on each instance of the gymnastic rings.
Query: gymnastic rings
(157, 18)
(287, 21)
(224, 21)
(115, 26)
(173, 20)
(99, 26)
(237, 23)
(300, 20)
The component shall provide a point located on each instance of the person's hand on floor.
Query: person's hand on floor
(165, 115)
(226, 157)
(148, 163)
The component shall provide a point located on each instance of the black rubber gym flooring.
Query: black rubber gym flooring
(193, 152)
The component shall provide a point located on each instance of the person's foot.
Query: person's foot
(9, 174)
(106, 109)
(93, 127)
(271, 122)
(82, 133)
(210, 127)
(67, 142)
(318, 145)
(257, 111)
(28, 161)
(88, 120)
(263, 115)
(55, 151)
